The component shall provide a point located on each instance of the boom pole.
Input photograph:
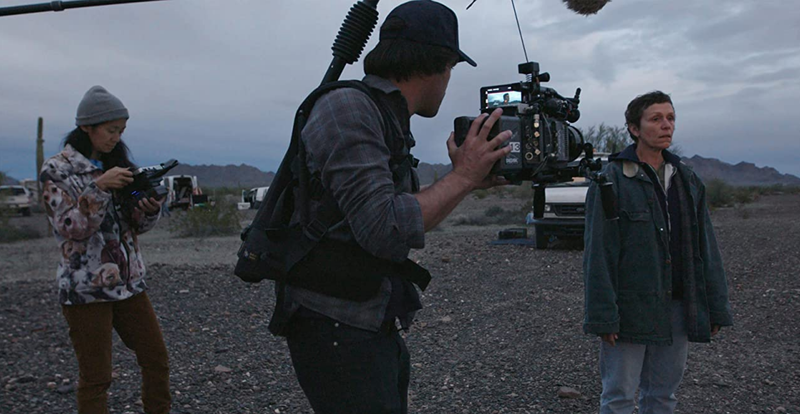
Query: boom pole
(57, 6)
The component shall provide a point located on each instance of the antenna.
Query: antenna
(513, 5)
(520, 30)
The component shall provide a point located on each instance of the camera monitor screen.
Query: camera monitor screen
(500, 96)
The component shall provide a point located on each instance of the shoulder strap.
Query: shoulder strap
(400, 163)
(293, 174)
(328, 214)
(285, 176)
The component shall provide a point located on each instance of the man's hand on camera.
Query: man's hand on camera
(114, 179)
(150, 206)
(473, 160)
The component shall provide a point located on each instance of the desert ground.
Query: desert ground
(500, 332)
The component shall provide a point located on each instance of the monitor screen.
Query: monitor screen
(503, 98)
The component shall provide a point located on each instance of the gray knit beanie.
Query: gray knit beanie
(98, 106)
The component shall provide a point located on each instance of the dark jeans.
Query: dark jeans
(90, 329)
(343, 369)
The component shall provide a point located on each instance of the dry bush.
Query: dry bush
(718, 193)
(208, 221)
(492, 215)
(10, 233)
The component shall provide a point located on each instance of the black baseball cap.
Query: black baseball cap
(426, 22)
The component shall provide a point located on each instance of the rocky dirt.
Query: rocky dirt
(501, 331)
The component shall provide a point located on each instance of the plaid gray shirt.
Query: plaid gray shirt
(344, 140)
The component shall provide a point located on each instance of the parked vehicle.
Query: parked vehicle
(184, 193)
(253, 197)
(33, 188)
(16, 199)
(564, 211)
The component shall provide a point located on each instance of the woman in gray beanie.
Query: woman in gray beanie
(101, 274)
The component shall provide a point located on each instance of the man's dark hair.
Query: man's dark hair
(118, 157)
(401, 60)
(633, 115)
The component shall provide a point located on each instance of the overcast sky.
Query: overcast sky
(218, 81)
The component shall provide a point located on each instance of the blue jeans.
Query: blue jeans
(656, 370)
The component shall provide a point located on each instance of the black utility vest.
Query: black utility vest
(344, 269)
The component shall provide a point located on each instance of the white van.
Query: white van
(252, 198)
(32, 186)
(564, 210)
(16, 199)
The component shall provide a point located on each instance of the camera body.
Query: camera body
(544, 146)
(146, 184)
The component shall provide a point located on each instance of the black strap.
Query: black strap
(328, 214)
(278, 205)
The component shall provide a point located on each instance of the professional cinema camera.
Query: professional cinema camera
(545, 148)
(146, 184)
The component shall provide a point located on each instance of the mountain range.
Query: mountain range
(215, 176)
(247, 176)
(741, 174)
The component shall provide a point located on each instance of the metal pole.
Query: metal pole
(61, 6)
(39, 156)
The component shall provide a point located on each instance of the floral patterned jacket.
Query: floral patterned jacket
(100, 256)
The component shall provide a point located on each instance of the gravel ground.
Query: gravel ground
(501, 331)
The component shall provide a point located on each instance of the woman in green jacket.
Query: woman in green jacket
(654, 279)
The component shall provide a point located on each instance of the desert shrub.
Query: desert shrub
(492, 215)
(607, 138)
(471, 220)
(219, 192)
(209, 221)
(522, 191)
(721, 194)
(493, 211)
(718, 193)
(778, 189)
(10, 233)
(745, 195)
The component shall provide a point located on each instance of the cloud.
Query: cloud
(217, 82)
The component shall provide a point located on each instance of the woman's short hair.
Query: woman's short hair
(636, 108)
(401, 60)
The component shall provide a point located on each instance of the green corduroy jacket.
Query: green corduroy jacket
(626, 263)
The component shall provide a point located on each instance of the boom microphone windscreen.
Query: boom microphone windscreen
(586, 7)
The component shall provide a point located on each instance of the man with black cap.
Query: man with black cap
(341, 321)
